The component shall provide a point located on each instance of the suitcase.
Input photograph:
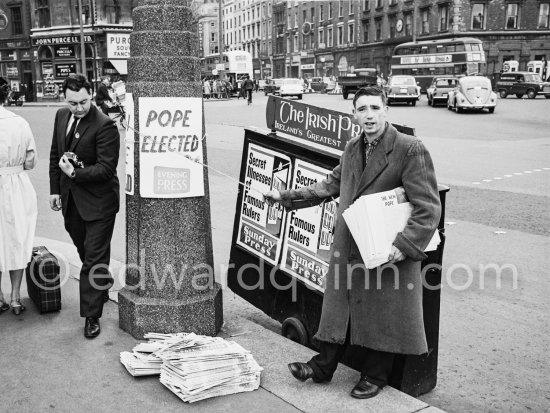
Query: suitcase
(43, 283)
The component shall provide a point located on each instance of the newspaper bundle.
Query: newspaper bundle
(195, 367)
(375, 220)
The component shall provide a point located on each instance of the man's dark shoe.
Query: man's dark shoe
(91, 328)
(303, 371)
(365, 390)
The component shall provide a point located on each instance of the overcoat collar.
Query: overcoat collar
(377, 161)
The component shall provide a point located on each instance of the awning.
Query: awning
(120, 66)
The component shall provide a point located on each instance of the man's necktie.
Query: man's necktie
(69, 137)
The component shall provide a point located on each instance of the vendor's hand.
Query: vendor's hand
(66, 166)
(395, 255)
(272, 196)
(55, 202)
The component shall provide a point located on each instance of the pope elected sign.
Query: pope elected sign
(170, 133)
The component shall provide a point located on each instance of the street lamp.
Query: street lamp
(82, 51)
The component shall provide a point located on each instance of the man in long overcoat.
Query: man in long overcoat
(380, 309)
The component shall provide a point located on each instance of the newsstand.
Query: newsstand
(278, 259)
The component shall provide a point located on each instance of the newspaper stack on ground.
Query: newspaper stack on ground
(142, 361)
(374, 221)
(208, 367)
(194, 367)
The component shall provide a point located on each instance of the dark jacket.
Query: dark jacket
(102, 95)
(382, 317)
(95, 188)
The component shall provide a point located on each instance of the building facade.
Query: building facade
(325, 38)
(15, 46)
(56, 41)
(247, 26)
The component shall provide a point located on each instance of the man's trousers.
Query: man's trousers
(376, 365)
(93, 243)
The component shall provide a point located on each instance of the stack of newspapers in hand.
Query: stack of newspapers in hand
(375, 220)
(195, 367)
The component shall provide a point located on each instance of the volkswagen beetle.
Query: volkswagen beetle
(472, 92)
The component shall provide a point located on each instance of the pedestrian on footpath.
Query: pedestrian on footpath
(18, 209)
(84, 185)
(207, 90)
(248, 86)
(102, 97)
(378, 310)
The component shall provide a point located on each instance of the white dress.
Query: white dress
(18, 208)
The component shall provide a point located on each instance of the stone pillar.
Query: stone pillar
(169, 276)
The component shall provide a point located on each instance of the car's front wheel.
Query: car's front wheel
(531, 94)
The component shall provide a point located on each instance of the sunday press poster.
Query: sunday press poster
(309, 231)
(260, 225)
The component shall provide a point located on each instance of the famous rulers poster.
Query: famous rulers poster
(261, 225)
(310, 231)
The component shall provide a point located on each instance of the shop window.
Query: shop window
(16, 21)
(443, 17)
(512, 11)
(42, 13)
(478, 16)
(544, 12)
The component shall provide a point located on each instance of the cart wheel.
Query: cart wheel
(294, 329)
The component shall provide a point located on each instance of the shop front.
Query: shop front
(58, 57)
(15, 67)
(117, 53)
(324, 66)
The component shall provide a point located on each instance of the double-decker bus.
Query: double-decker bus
(236, 65)
(426, 59)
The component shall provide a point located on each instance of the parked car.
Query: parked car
(522, 83)
(402, 88)
(322, 84)
(472, 92)
(272, 86)
(359, 78)
(261, 84)
(438, 92)
(291, 87)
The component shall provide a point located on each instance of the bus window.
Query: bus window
(432, 49)
(424, 50)
(451, 48)
(475, 47)
(460, 48)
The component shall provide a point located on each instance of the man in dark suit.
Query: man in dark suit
(88, 194)
(102, 98)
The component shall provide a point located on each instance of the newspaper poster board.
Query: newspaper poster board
(261, 226)
(170, 147)
(309, 232)
(129, 143)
